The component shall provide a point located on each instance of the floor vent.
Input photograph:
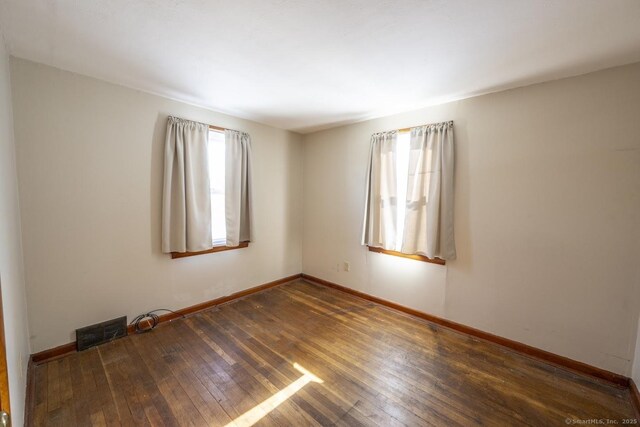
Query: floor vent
(90, 336)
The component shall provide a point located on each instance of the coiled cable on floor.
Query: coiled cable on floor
(148, 321)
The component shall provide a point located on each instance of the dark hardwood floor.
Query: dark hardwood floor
(302, 354)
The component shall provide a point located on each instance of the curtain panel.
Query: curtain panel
(186, 201)
(238, 187)
(380, 214)
(428, 227)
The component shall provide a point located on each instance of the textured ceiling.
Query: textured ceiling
(311, 64)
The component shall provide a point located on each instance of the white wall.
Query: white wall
(547, 216)
(11, 266)
(90, 175)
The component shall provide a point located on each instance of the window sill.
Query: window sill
(215, 249)
(414, 257)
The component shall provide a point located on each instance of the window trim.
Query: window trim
(214, 249)
(415, 257)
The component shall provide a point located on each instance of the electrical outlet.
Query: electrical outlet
(347, 266)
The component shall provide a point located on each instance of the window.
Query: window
(216, 157)
(409, 195)
(403, 147)
(195, 179)
(216, 152)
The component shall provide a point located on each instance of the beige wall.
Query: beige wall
(547, 216)
(635, 370)
(90, 174)
(547, 211)
(11, 266)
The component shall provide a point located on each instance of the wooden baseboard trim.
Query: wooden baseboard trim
(54, 353)
(635, 397)
(222, 300)
(552, 358)
(527, 350)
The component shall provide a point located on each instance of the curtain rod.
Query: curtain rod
(210, 126)
(405, 130)
(218, 128)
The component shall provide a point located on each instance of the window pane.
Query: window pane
(216, 149)
(218, 227)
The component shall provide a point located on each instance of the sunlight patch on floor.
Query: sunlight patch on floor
(261, 410)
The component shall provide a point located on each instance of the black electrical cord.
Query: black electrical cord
(151, 319)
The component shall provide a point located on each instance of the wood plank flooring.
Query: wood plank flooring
(244, 362)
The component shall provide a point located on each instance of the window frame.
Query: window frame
(415, 257)
(214, 249)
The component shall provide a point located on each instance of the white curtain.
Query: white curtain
(186, 203)
(380, 213)
(238, 197)
(428, 228)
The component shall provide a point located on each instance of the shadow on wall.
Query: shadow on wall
(293, 184)
(464, 260)
(155, 183)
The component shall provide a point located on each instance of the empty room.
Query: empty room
(319, 213)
